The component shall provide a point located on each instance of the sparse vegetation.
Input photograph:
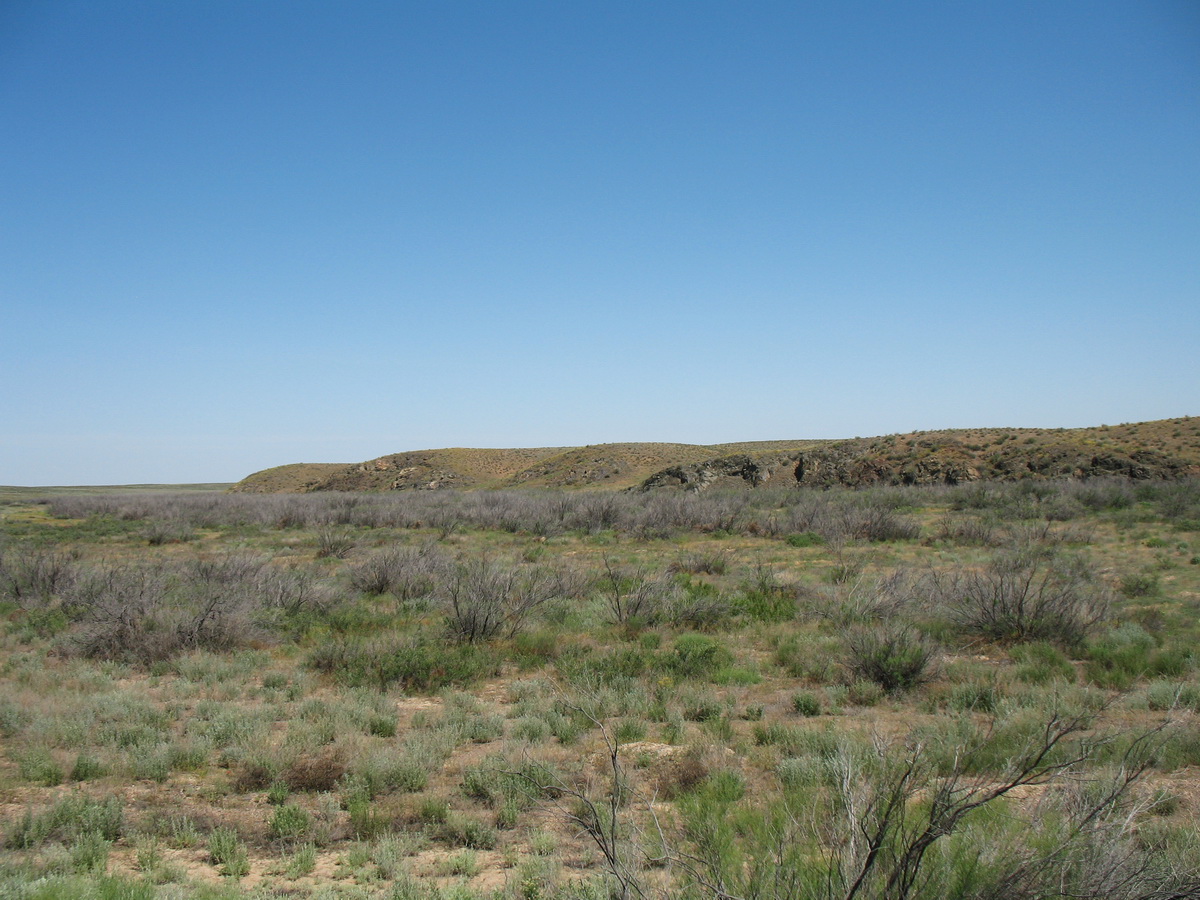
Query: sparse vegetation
(906, 691)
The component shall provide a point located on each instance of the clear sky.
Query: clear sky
(240, 234)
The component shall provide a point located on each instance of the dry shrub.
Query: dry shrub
(1031, 593)
(31, 576)
(315, 772)
(687, 771)
(404, 572)
(486, 600)
(253, 775)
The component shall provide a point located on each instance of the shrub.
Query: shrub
(697, 654)
(388, 771)
(68, 819)
(698, 605)
(1030, 594)
(312, 772)
(1039, 662)
(806, 703)
(90, 852)
(146, 613)
(334, 543)
(421, 662)
(289, 822)
(464, 831)
(1119, 657)
(38, 766)
(705, 562)
(1143, 585)
(167, 531)
(486, 600)
(804, 539)
(982, 696)
(87, 767)
(633, 595)
(404, 572)
(31, 576)
(895, 657)
(226, 850)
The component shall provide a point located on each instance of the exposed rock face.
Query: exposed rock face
(698, 476)
(847, 464)
(854, 464)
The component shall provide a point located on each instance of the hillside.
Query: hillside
(1165, 448)
(601, 466)
(295, 478)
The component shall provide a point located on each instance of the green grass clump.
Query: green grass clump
(1040, 662)
(697, 655)
(226, 850)
(67, 819)
(289, 822)
(804, 539)
(418, 664)
(806, 703)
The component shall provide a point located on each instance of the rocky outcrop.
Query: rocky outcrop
(857, 464)
(748, 470)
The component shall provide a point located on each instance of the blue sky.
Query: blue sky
(240, 234)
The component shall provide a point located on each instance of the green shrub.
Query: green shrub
(13, 719)
(895, 657)
(289, 822)
(38, 766)
(697, 655)
(776, 604)
(419, 664)
(804, 771)
(67, 819)
(725, 786)
(388, 771)
(1040, 662)
(864, 692)
(629, 730)
(302, 861)
(1119, 657)
(810, 657)
(226, 850)
(804, 539)
(806, 703)
(975, 696)
(533, 729)
(87, 767)
(365, 820)
(464, 831)
(90, 852)
(1140, 585)
(735, 675)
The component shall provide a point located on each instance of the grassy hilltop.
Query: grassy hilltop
(1164, 448)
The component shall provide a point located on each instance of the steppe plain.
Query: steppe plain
(941, 664)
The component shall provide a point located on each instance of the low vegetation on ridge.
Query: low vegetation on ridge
(1168, 448)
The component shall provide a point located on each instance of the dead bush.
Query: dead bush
(147, 613)
(634, 594)
(315, 772)
(486, 600)
(32, 576)
(404, 572)
(1025, 594)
